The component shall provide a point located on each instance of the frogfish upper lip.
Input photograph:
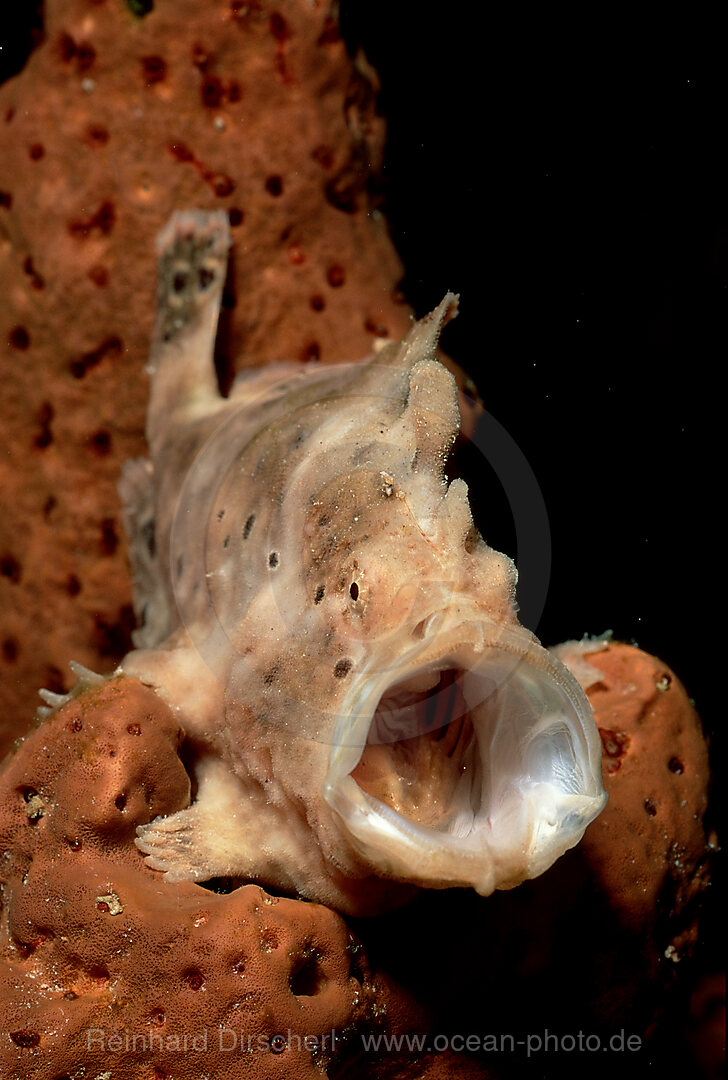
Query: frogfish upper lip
(474, 761)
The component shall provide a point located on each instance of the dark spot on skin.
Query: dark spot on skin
(85, 55)
(154, 69)
(6, 199)
(273, 559)
(234, 91)
(112, 346)
(194, 979)
(229, 300)
(271, 675)
(19, 338)
(336, 276)
(102, 221)
(278, 1044)
(274, 185)
(200, 56)
(614, 743)
(49, 506)
(73, 585)
(97, 135)
(99, 275)
(342, 669)
(11, 650)
(311, 352)
(676, 766)
(180, 566)
(11, 569)
(235, 216)
(76, 724)
(220, 515)
(248, 526)
(179, 281)
(120, 802)
(181, 152)
(319, 594)
(36, 151)
(37, 281)
(67, 48)
(650, 807)
(44, 417)
(205, 277)
(212, 92)
(222, 185)
(100, 442)
(279, 27)
(354, 591)
(317, 303)
(134, 729)
(226, 541)
(109, 541)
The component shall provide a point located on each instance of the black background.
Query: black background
(568, 179)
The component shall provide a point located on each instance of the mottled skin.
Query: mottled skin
(308, 555)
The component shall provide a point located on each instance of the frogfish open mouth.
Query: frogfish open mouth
(363, 711)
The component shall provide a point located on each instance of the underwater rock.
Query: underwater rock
(649, 852)
(98, 950)
(116, 120)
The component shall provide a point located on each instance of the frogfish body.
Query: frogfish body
(363, 711)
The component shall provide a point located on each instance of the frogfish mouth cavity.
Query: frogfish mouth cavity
(477, 766)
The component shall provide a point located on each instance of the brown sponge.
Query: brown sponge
(98, 951)
(115, 121)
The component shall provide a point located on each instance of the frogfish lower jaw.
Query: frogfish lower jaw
(476, 764)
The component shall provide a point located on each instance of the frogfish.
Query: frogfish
(363, 712)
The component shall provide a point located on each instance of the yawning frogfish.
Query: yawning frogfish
(363, 711)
